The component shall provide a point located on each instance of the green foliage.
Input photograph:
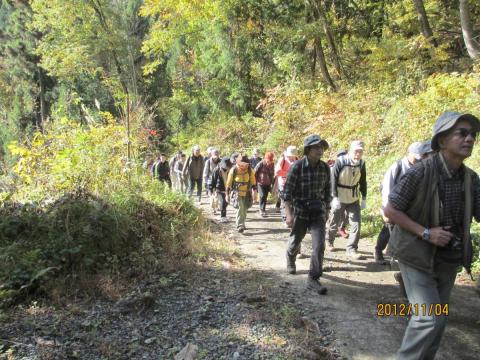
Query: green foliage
(80, 207)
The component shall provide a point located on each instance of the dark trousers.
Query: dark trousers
(263, 191)
(317, 231)
(383, 237)
(198, 183)
(222, 204)
(166, 180)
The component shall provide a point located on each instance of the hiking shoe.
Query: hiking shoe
(241, 230)
(316, 286)
(330, 247)
(291, 268)
(263, 213)
(379, 259)
(223, 220)
(343, 232)
(353, 254)
(399, 279)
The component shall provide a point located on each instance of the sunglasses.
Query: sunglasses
(465, 132)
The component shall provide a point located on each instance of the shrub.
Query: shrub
(80, 207)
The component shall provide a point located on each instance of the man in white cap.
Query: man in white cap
(307, 198)
(416, 152)
(349, 192)
(281, 171)
(432, 207)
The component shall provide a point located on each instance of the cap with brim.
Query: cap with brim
(313, 140)
(447, 120)
(416, 149)
(357, 145)
(427, 147)
(225, 163)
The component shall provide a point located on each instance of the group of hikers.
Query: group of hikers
(429, 198)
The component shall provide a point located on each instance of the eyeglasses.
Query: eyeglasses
(465, 132)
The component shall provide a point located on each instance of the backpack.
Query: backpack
(234, 193)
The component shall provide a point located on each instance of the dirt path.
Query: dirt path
(354, 290)
(232, 310)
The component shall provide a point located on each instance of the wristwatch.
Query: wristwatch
(426, 234)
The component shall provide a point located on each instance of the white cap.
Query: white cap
(291, 151)
(357, 145)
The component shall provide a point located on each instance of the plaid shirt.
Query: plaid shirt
(450, 190)
(306, 182)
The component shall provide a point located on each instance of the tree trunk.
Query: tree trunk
(323, 64)
(41, 80)
(319, 5)
(425, 25)
(473, 46)
(313, 67)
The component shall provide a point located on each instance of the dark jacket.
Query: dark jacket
(425, 210)
(264, 173)
(194, 167)
(161, 170)
(218, 182)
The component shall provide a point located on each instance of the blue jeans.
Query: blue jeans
(425, 329)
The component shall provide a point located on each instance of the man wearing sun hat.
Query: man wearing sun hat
(307, 200)
(432, 206)
(349, 192)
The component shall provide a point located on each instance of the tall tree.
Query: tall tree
(424, 23)
(95, 37)
(471, 42)
(21, 66)
(319, 7)
(320, 55)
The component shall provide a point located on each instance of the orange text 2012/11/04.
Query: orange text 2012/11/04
(405, 310)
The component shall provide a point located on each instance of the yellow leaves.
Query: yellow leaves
(16, 149)
(108, 118)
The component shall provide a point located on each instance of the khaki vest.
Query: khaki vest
(348, 184)
(425, 210)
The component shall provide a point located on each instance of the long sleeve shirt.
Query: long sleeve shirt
(392, 176)
(306, 182)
